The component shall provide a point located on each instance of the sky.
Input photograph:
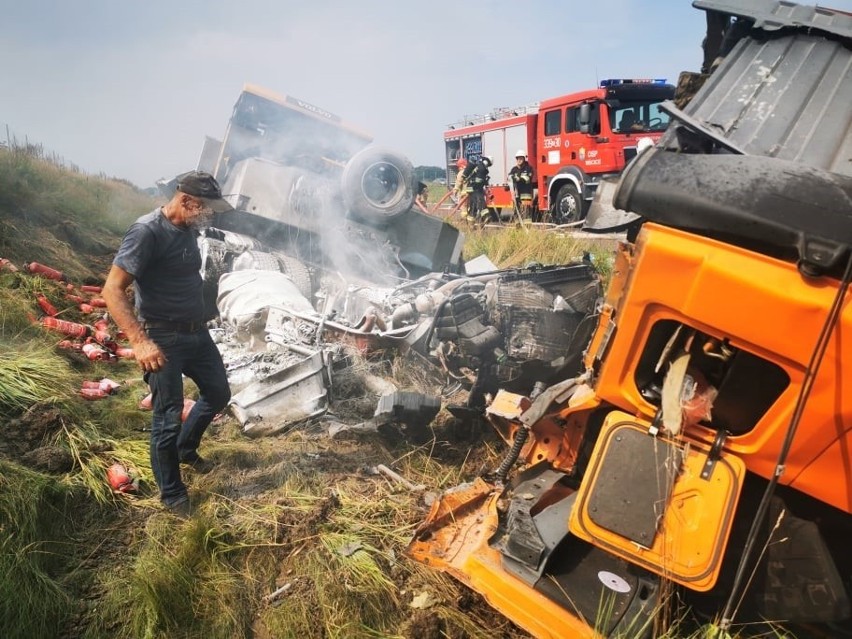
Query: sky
(130, 89)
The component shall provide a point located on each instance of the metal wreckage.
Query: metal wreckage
(326, 252)
(681, 439)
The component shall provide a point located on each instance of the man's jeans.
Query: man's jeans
(196, 356)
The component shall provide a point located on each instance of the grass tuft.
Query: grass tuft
(33, 520)
(32, 374)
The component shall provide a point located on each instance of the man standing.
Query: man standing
(522, 184)
(160, 256)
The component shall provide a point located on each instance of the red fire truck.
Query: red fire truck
(571, 142)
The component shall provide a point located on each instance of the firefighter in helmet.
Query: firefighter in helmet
(458, 188)
(476, 179)
(521, 177)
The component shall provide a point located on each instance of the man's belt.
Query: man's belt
(177, 327)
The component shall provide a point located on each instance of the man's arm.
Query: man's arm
(146, 352)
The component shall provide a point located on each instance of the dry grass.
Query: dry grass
(31, 373)
(512, 246)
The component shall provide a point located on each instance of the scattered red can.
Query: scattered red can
(93, 393)
(72, 329)
(69, 345)
(46, 271)
(101, 336)
(124, 352)
(88, 288)
(95, 352)
(87, 308)
(46, 306)
(6, 265)
(98, 302)
(107, 385)
(120, 480)
(74, 298)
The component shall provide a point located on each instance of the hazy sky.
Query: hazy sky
(132, 88)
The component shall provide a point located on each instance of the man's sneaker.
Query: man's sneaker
(180, 508)
(199, 465)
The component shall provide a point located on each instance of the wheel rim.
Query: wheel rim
(567, 209)
(382, 184)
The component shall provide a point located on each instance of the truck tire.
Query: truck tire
(568, 205)
(255, 260)
(377, 186)
(298, 273)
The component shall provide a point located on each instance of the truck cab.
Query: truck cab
(583, 137)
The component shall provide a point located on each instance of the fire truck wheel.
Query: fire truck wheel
(568, 205)
(378, 185)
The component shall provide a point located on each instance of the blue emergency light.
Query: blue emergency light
(614, 82)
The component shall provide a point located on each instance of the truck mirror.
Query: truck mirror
(585, 116)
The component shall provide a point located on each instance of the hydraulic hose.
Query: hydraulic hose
(521, 437)
(505, 466)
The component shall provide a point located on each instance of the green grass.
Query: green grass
(34, 521)
(31, 187)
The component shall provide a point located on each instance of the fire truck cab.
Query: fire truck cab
(571, 141)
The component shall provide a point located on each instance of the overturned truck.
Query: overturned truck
(702, 456)
(312, 186)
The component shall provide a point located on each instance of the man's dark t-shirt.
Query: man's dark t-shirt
(165, 262)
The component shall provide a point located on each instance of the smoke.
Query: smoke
(282, 160)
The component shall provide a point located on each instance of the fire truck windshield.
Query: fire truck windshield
(628, 117)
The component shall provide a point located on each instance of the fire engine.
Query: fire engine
(571, 141)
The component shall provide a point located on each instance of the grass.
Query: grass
(33, 524)
(32, 374)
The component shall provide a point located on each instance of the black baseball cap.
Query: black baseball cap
(205, 187)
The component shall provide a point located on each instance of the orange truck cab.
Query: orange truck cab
(571, 142)
(698, 467)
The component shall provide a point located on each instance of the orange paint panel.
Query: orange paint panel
(454, 539)
(693, 525)
(758, 304)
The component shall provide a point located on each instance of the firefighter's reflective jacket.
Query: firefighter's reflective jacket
(476, 176)
(522, 179)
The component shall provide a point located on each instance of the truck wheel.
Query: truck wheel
(568, 206)
(255, 260)
(378, 185)
(298, 273)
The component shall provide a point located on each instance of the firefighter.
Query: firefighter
(476, 181)
(458, 188)
(521, 177)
